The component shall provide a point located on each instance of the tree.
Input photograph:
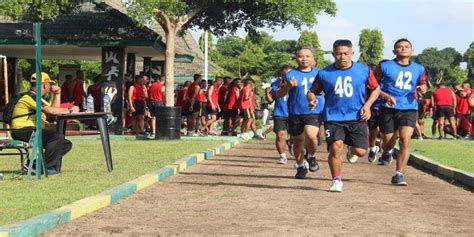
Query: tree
(219, 17)
(310, 38)
(439, 63)
(469, 59)
(371, 46)
(37, 11)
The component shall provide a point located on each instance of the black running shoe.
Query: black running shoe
(301, 173)
(313, 164)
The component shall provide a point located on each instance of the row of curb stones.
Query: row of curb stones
(449, 173)
(46, 221)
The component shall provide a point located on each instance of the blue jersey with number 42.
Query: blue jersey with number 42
(400, 81)
(297, 101)
(345, 91)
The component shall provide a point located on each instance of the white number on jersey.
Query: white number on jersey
(305, 84)
(404, 80)
(344, 88)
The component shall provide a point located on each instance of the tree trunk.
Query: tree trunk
(169, 66)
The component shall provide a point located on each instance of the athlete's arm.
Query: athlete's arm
(268, 95)
(209, 93)
(422, 88)
(373, 86)
(453, 97)
(316, 88)
(130, 96)
(193, 98)
(283, 91)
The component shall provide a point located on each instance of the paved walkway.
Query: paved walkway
(245, 192)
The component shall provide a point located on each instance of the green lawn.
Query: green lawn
(84, 173)
(454, 153)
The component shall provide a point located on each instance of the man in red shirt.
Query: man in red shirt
(95, 91)
(212, 107)
(79, 89)
(67, 89)
(222, 104)
(195, 103)
(232, 106)
(181, 102)
(137, 94)
(156, 93)
(444, 101)
(245, 105)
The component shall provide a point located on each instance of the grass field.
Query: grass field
(84, 173)
(454, 153)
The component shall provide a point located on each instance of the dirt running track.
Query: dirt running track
(245, 192)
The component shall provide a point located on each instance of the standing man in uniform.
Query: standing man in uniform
(303, 123)
(400, 79)
(346, 85)
(195, 105)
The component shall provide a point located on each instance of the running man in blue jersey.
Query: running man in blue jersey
(303, 123)
(399, 79)
(346, 86)
(280, 112)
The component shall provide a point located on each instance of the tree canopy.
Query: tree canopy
(371, 46)
(440, 63)
(469, 59)
(37, 11)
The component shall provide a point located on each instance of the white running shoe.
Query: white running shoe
(336, 186)
(306, 164)
(351, 157)
(283, 160)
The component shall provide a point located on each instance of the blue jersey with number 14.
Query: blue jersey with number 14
(281, 104)
(400, 81)
(297, 101)
(346, 91)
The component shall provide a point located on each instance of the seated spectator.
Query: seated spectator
(67, 89)
(95, 91)
(54, 143)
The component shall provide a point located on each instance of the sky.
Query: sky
(426, 23)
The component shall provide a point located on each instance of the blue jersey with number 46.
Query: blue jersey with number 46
(400, 81)
(345, 91)
(297, 101)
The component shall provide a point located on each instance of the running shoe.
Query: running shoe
(373, 154)
(283, 160)
(386, 158)
(313, 164)
(399, 180)
(258, 137)
(53, 172)
(351, 157)
(301, 172)
(336, 185)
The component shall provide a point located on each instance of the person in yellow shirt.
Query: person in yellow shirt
(54, 143)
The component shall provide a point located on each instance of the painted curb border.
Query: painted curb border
(46, 221)
(449, 173)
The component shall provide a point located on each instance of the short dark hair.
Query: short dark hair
(402, 40)
(187, 83)
(196, 76)
(465, 82)
(341, 42)
(68, 76)
(227, 79)
(304, 47)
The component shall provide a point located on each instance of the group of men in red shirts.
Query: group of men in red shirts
(230, 100)
(451, 109)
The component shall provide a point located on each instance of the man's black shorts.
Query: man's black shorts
(352, 133)
(391, 119)
(373, 121)
(444, 111)
(280, 124)
(296, 124)
(209, 111)
(197, 108)
(231, 113)
(152, 106)
(139, 106)
(247, 114)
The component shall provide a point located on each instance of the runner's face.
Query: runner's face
(403, 49)
(304, 58)
(343, 56)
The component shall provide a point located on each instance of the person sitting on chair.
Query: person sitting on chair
(54, 143)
